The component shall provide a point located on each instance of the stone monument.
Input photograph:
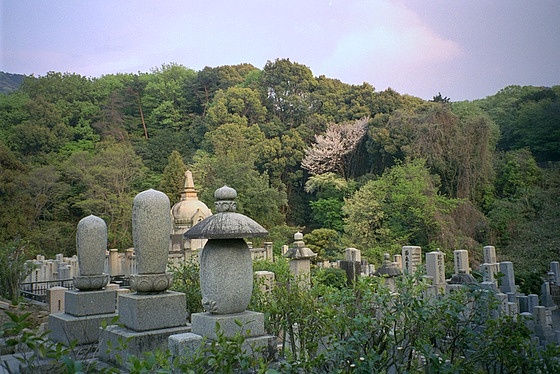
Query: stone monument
(87, 307)
(150, 315)
(300, 260)
(226, 280)
(411, 258)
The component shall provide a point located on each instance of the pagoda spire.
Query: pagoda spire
(190, 192)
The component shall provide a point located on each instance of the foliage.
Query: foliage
(186, 279)
(14, 268)
(403, 206)
(325, 243)
(173, 178)
(35, 352)
(74, 145)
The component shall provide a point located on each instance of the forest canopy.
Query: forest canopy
(373, 169)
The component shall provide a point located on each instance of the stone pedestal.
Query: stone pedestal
(85, 312)
(147, 322)
(248, 323)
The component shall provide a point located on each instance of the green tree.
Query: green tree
(173, 178)
(13, 269)
(402, 207)
(237, 105)
(105, 184)
(287, 86)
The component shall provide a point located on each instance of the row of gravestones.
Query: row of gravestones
(153, 317)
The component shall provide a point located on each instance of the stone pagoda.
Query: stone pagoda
(185, 214)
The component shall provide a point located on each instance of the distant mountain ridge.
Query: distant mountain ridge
(10, 82)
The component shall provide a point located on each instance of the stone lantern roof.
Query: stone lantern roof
(299, 250)
(226, 223)
(388, 269)
(462, 278)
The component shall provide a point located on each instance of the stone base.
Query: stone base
(204, 324)
(117, 343)
(141, 312)
(89, 303)
(188, 344)
(66, 328)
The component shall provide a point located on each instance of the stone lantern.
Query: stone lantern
(226, 268)
(300, 259)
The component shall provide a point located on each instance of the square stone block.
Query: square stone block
(66, 328)
(204, 324)
(117, 343)
(264, 346)
(185, 345)
(141, 312)
(89, 303)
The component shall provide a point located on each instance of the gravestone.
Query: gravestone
(489, 272)
(461, 261)
(507, 282)
(388, 270)
(91, 305)
(411, 258)
(148, 316)
(435, 268)
(352, 264)
(555, 269)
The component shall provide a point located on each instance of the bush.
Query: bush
(14, 268)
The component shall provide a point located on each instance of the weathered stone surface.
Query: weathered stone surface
(81, 303)
(151, 312)
(91, 282)
(185, 344)
(248, 323)
(151, 225)
(226, 276)
(66, 328)
(137, 342)
(151, 282)
(91, 244)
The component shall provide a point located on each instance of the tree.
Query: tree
(105, 184)
(173, 178)
(330, 192)
(336, 150)
(286, 87)
(14, 268)
(402, 207)
(236, 105)
(233, 163)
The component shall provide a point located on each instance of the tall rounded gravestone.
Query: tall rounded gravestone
(150, 233)
(226, 267)
(91, 245)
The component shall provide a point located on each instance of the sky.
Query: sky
(463, 49)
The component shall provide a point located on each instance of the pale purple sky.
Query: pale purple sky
(464, 49)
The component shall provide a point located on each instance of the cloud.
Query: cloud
(386, 37)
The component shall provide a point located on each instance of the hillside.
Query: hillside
(345, 164)
(10, 82)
